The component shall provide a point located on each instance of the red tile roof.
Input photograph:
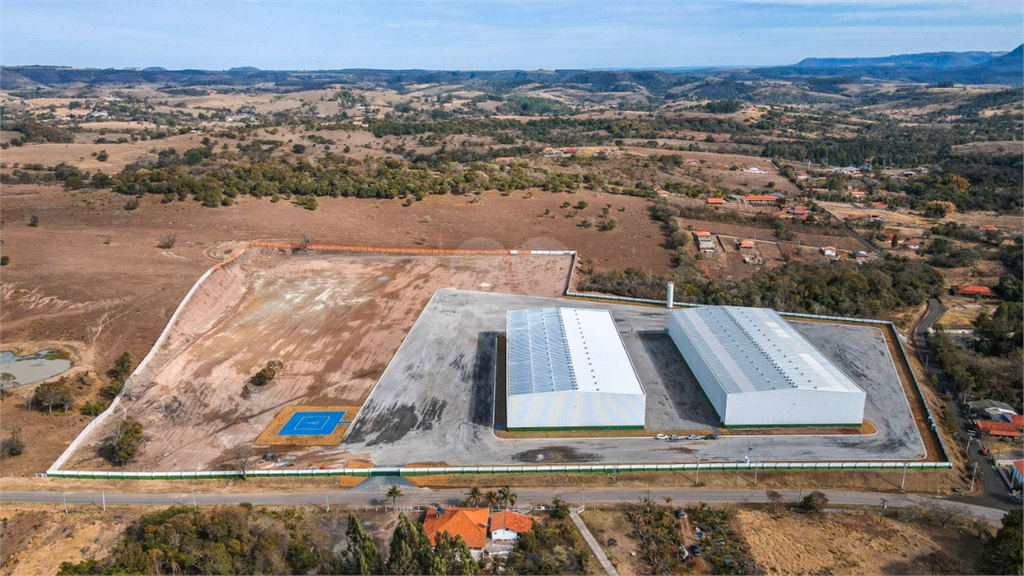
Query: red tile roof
(759, 198)
(470, 524)
(1019, 465)
(974, 291)
(879, 205)
(746, 243)
(996, 428)
(701, 233)
(1017, 420)
(507, 520)
(716, 200)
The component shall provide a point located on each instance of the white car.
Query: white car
(660, 437)
(693, 437)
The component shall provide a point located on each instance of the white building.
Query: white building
(758, 371)
(568, 368)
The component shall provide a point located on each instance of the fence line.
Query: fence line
(527, 469)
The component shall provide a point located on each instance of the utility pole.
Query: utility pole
(327, 497)
(904, 481)
(696, 478)
(65, 505)
(194, 505)
(104, 494)
(974, 472)
(970, 438)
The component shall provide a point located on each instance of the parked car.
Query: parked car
(660, 437)
(711, 437)
(695, 550)
(675, 437)
(693, 437)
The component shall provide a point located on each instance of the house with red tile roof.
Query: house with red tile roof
(879, 206)
(997, 428)
(716, 201)
(746, 244)
(470, 524)
(829, 251)
(508, 525)
(759, 199)
(979, 291)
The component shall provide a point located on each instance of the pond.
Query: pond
(21, 370)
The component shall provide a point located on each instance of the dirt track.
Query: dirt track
(334, 320)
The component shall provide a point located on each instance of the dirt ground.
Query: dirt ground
(854, 544)
(612, 524)
(37, 539)
(91, 281)
(334, 320)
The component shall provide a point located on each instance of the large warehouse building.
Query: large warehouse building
(568, 368)
(758, 371)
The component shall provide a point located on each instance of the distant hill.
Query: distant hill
(940, 60)
(961, 67)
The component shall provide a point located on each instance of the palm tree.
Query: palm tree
(507, 497)
(492, 499)
(475, 495)
(394, 493)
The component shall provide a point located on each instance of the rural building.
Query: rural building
(744, 245)
(508, 525)
(879, 206)
(979, 291)
(468, 523)
(997, 428)
(704, 241)
(829, 251)
(568, 368)
(759, 199)
(1017, 472)
(716, 201)
(858, 194)
(758, 371)
(990, 409)
(663, 193)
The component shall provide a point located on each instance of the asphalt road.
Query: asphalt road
(526, 497)
(995, 493)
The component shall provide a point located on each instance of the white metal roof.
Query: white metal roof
(564, 349)
(755, 349)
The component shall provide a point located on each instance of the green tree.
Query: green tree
(492, 499)
(362, 556)
(50, 395)
(1004, 553)
(410, 550)
(474, 495)
(102, 156)
(507, 497)
(394, 492)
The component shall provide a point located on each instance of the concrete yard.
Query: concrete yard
(434, 401)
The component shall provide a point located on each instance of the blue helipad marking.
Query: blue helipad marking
(313, 423)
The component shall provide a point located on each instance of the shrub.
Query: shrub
(131, 204)
(102, 156)
(813, 502)
(123, 443)
(167, 242)
(5, 260)
(13, 445)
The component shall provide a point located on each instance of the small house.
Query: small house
(745, 245)
(976, 291)
(716, 201)
(879, 206)
(704, 241)
(507, 525)
(470, 524)
(829, 251)
(996, 428)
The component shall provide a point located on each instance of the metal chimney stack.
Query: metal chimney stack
(671, 294)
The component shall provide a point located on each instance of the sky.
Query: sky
(491, 35)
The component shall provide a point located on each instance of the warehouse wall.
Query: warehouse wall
(712, 387)
(795, 407)
(575, 409)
